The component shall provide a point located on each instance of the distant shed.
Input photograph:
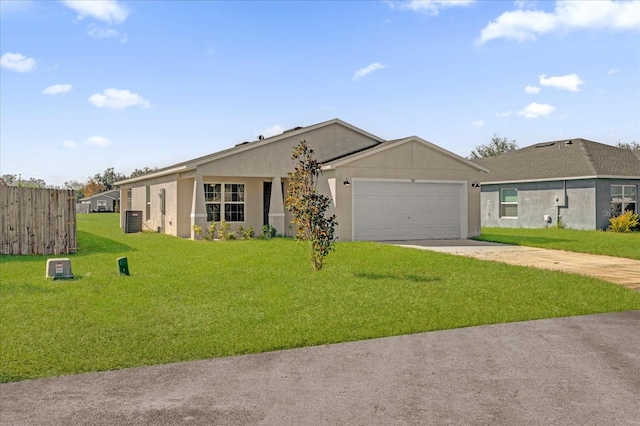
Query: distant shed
(104, 202)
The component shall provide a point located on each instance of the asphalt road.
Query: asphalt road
(567, 371)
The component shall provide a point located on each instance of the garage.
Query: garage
(388, 210)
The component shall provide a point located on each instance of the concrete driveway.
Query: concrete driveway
(614, 269)
(567, 371)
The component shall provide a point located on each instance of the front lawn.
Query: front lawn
(188, 300)
(594, 242)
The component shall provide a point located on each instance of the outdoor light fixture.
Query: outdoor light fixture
(346, 182)
(475, 184)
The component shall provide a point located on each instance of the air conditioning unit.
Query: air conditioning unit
(132, 221)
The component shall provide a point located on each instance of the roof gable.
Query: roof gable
(248, 146)
(561, 159)
(392, 144)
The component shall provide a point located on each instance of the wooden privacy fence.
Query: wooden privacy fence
(37, 221)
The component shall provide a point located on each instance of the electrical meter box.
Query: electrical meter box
(59, 269)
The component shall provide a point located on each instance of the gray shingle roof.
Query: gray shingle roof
(561, 159)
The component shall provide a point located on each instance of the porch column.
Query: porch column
(198, 209)
(276, 206)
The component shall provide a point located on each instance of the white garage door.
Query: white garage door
(395, 210)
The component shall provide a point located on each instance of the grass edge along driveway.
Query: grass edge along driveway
(188, 300)
(592, 242)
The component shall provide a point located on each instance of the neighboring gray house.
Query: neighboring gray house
(107, 201)
(579, 182)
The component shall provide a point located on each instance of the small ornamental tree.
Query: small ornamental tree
(308, 206)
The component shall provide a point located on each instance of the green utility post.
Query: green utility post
(123, 266)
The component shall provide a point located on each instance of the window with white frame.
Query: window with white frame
(509, 202)
(224, 201)
(623, 198)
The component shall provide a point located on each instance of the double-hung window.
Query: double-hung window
(234, 202)
(224, 201)
(509, 202)
(623, 198)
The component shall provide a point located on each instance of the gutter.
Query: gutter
(497, 182)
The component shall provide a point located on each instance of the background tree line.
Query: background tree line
(96, 184)
(498, 146)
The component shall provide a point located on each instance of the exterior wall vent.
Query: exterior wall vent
(544, 145)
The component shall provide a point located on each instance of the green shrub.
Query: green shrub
(211, 232)
(223, 232)
(626, 222)
(198, 230)
(249, 233)
(268, 231)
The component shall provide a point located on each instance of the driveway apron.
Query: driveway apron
(618, 270)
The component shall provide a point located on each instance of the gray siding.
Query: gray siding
(537, 199)
(586, 205)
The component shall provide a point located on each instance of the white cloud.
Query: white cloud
(97, 141)
(535, 110)
(99, 33)
(477, 123)
(69, 144)
(613, 71)
(503, 114)
(367, 70)
(570, 82)
(431, 7)
(272, 131)
(109, 11)
(17, 62)
(57, 88)
(532, 90)
(523, 25)
(117, 99)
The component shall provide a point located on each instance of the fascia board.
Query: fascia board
(159, 173)
(499, 182)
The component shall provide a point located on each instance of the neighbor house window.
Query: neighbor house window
(623, 198)
(509, 202)
(224, 201)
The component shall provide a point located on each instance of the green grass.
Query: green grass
(594, 242)
(188, 300)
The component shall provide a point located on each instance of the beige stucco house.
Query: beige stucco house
(381, 190)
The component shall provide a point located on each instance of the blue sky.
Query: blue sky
(88, 85)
